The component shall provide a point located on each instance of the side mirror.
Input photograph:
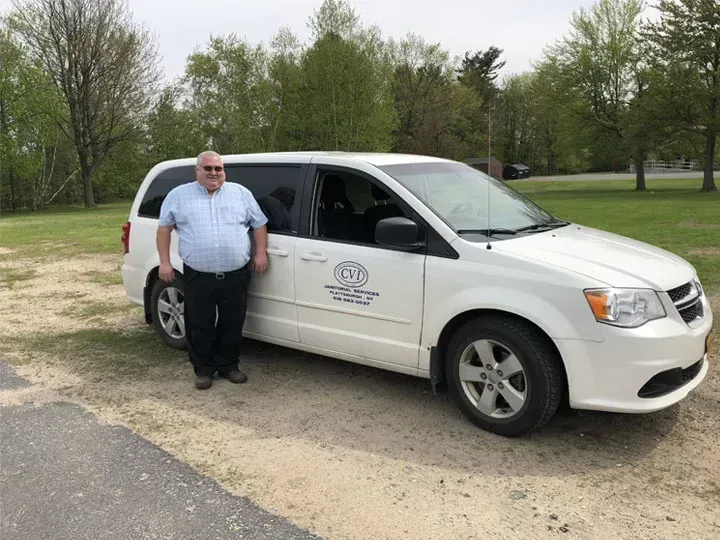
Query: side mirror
(398, 232)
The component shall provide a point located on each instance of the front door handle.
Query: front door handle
(278, 252)
(313, 257)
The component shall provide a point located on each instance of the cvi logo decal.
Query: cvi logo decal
(351, 274)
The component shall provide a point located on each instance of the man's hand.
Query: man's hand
(260, 262)
(166, 272)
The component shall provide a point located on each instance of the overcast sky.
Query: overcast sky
(521, 28)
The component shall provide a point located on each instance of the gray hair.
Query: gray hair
(207, 153)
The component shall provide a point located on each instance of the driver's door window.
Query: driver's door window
(348, 207)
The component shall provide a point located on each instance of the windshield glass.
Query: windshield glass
(459, 195)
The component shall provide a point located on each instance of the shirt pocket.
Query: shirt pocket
(231, 216)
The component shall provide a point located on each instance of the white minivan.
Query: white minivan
(428, 267)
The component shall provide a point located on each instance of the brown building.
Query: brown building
(481, 164)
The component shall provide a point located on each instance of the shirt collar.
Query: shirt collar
(202, 189)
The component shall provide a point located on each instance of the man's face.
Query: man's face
(210, 173)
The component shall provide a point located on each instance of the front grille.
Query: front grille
(678, 293)
(688, 302)
(689, 314)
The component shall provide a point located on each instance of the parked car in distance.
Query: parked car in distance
(394, 261)
(515, 171)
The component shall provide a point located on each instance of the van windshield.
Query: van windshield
(459, 195)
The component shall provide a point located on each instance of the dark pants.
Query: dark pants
(214, 347)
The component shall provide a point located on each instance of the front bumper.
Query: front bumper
(637, 370)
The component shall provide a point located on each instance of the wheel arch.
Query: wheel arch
(152, 277)
(439, 351)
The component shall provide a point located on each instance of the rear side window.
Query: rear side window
(275, 187)
(161, 186)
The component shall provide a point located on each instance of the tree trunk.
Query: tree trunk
(552, 162)
(4, 131)
(552, 158)
(13, 189)
(708, 178)
(640, 172)
(86, 171)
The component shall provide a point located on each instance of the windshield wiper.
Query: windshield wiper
(487, 232)
(543, 226)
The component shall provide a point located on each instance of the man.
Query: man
(212, 219)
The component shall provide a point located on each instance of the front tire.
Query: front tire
(168, 312)
(504, 375)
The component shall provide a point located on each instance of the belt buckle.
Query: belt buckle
(219, 275)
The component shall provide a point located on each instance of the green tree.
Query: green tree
(12, 90)
(598, 72)
(347, 80)
(285, 115)
(32, 158)
(424, 97)
(515, 130)
(480, 71)
(102, 63)
(532, 127)
(548, 120)
(174, 131)
(229, 92)
(686, 46)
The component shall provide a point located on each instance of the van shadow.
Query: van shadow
(323, 400)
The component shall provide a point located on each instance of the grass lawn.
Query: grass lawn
(672, 214)
(65, 230)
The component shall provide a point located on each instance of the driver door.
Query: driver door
(354, 296)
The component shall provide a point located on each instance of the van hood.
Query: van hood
(613, 259)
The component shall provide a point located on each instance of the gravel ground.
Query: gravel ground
(349, 452)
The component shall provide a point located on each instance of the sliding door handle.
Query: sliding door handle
(313, 257)
(278, 252)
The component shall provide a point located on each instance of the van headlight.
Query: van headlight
(628, 308)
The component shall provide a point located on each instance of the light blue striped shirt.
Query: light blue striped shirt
(212, 231)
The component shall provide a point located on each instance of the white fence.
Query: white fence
(678, 165)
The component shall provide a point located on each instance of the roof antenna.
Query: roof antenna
(487, 201)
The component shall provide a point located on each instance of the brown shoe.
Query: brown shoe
(203, 382)
(236, 376)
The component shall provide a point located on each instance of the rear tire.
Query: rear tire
(167, 303)
(504, 375)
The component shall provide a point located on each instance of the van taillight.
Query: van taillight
(126, 236)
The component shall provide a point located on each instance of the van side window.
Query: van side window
(274, 187)
(161, 186)
(347, 207)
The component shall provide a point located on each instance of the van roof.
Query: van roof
(373, 158)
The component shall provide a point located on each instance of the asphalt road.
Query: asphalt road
(620, 176)
(65, 475)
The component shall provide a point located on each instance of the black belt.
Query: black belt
(219, 275)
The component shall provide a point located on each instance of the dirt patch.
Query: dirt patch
(42, 302)
(5, 251)
(692, 224)
(351, 452)
(705, 252)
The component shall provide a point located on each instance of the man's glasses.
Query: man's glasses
(210, 168)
